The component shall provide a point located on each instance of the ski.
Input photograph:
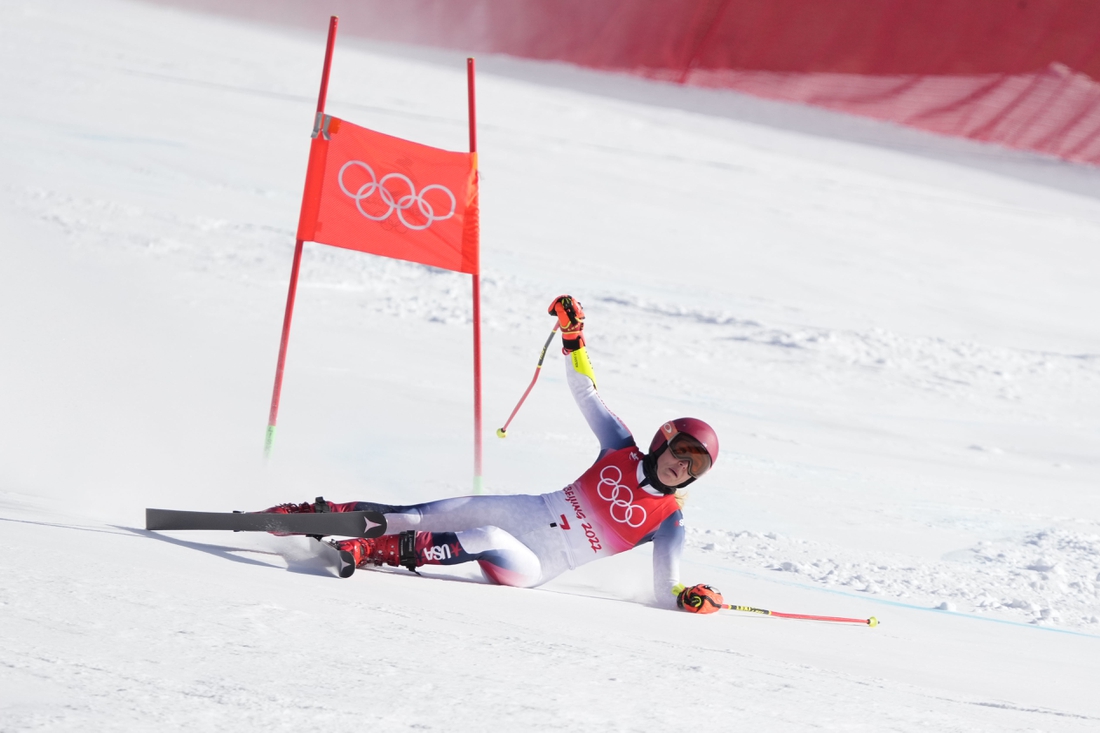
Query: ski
(341, 561)
(343, 524)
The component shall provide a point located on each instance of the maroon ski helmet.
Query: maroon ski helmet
(689, 426)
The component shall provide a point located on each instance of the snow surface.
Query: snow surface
(894, 334)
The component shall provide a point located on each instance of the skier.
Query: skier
(623, 500)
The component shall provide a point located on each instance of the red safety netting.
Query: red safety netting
(1020, 73)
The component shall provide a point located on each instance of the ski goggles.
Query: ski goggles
(686, 448)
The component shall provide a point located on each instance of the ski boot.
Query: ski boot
(391, 549)
(317, 506)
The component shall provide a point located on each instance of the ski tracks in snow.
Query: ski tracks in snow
(1047, 578)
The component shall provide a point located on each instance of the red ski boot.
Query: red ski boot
(317, 506)
(303, 508)
(390, 549)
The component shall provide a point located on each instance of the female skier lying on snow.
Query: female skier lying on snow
(623, 500)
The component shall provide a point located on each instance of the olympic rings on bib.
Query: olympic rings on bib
(623, 508)
(391, 202)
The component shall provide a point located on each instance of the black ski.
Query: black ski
(343, 524)
(342, 561)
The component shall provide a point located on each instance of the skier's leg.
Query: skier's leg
(504, 559)
(514, 513)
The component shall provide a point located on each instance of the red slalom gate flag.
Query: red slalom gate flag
(387, 196)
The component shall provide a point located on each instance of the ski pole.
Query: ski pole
(503, 432)
(837, 619)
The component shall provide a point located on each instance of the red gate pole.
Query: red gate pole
(269, 439)
(479, 481)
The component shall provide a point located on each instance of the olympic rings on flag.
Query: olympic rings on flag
(611, 481)
(392, 202)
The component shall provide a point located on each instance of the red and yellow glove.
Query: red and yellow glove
(570, 321)
(699, 599)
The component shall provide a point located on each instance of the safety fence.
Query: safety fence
(1019, 73)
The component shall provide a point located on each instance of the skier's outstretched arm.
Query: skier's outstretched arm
(668, 545)
(609, 429)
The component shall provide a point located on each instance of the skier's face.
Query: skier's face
(672, 471)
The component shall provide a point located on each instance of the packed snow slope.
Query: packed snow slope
(894, 334)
